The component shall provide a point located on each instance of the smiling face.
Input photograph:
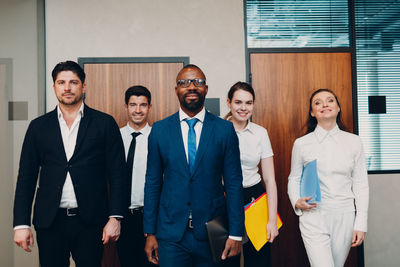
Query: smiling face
(68, 88)
(138, 109)
(241, 105)
(324, 107)
(191, 98)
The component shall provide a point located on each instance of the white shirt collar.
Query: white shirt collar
(200, 116)
(144, 130)
(321, 133)
(249, 127)
(80, 111)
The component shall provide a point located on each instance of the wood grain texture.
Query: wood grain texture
(105, 91)
(283, 83)
(106, 85)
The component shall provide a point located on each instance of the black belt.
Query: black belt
(69, 211)
(134, 211)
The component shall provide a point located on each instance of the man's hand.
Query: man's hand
(111, 231)
(151, 249)
(358, 238)
(272, 231)
(232, 248)
(303, 205)
(24, 238)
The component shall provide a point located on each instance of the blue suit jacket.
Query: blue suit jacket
(171, 192)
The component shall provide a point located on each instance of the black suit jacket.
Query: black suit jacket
(98, 162)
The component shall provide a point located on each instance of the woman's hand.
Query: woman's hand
(272, 231)
(303, 205)
(358, 238)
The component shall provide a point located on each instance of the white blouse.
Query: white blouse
(341, 170)
(254, 145)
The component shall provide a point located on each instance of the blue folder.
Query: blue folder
(309, 182)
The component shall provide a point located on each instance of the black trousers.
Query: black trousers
(69, 235)
(131, 241)
(252, 257)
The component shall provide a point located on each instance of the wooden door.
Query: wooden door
(105, 90)
(106, 85)
(283, 83)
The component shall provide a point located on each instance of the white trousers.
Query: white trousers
(327, 236)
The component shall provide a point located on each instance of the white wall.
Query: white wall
(210, 32)
(18, 31)
(382, 244)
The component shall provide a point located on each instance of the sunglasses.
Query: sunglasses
(196, 82)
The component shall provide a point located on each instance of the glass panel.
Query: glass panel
(283, 23)
(378, 74)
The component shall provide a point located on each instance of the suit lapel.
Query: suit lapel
(205, 136)
(83, 125)
(177, 140)
(54, 127)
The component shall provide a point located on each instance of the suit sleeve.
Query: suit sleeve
(115, 166)
(233, 184)
(153, 184)
(27, 179)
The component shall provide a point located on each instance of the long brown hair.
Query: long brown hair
(312, 121)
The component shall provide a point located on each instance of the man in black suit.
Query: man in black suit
(79, 154)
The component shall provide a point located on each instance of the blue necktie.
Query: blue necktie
(191, 143)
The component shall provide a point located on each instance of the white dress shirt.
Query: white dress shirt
(254, 145)
(69, 135)
(139, 162)
(341, 170)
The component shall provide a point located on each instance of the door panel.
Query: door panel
(283, 83)
(105, 91)
(107, 83)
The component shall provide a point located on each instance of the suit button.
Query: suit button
(188, 203)
(191, 180)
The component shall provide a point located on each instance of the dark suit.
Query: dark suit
(171, 192)
(97, 162)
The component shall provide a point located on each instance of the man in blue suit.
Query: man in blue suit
(193, 160)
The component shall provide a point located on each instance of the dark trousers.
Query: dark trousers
(189, 252)
(252, 257)
(131, 241)
(69, 235)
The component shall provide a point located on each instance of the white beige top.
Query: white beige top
(341, 170)
(254, 145)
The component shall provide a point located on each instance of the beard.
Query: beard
(192, 105)
(70, 101)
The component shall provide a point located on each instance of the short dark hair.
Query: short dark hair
(68, 66)
(311, 123)
(190, 66)
(137, 90)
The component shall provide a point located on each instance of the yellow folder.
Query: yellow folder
(256, 219)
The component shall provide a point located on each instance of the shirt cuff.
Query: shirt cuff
(115, 216)
(236, 238)
(21, 227)
(360, 223)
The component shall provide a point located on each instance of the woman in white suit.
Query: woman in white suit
(330, 227)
